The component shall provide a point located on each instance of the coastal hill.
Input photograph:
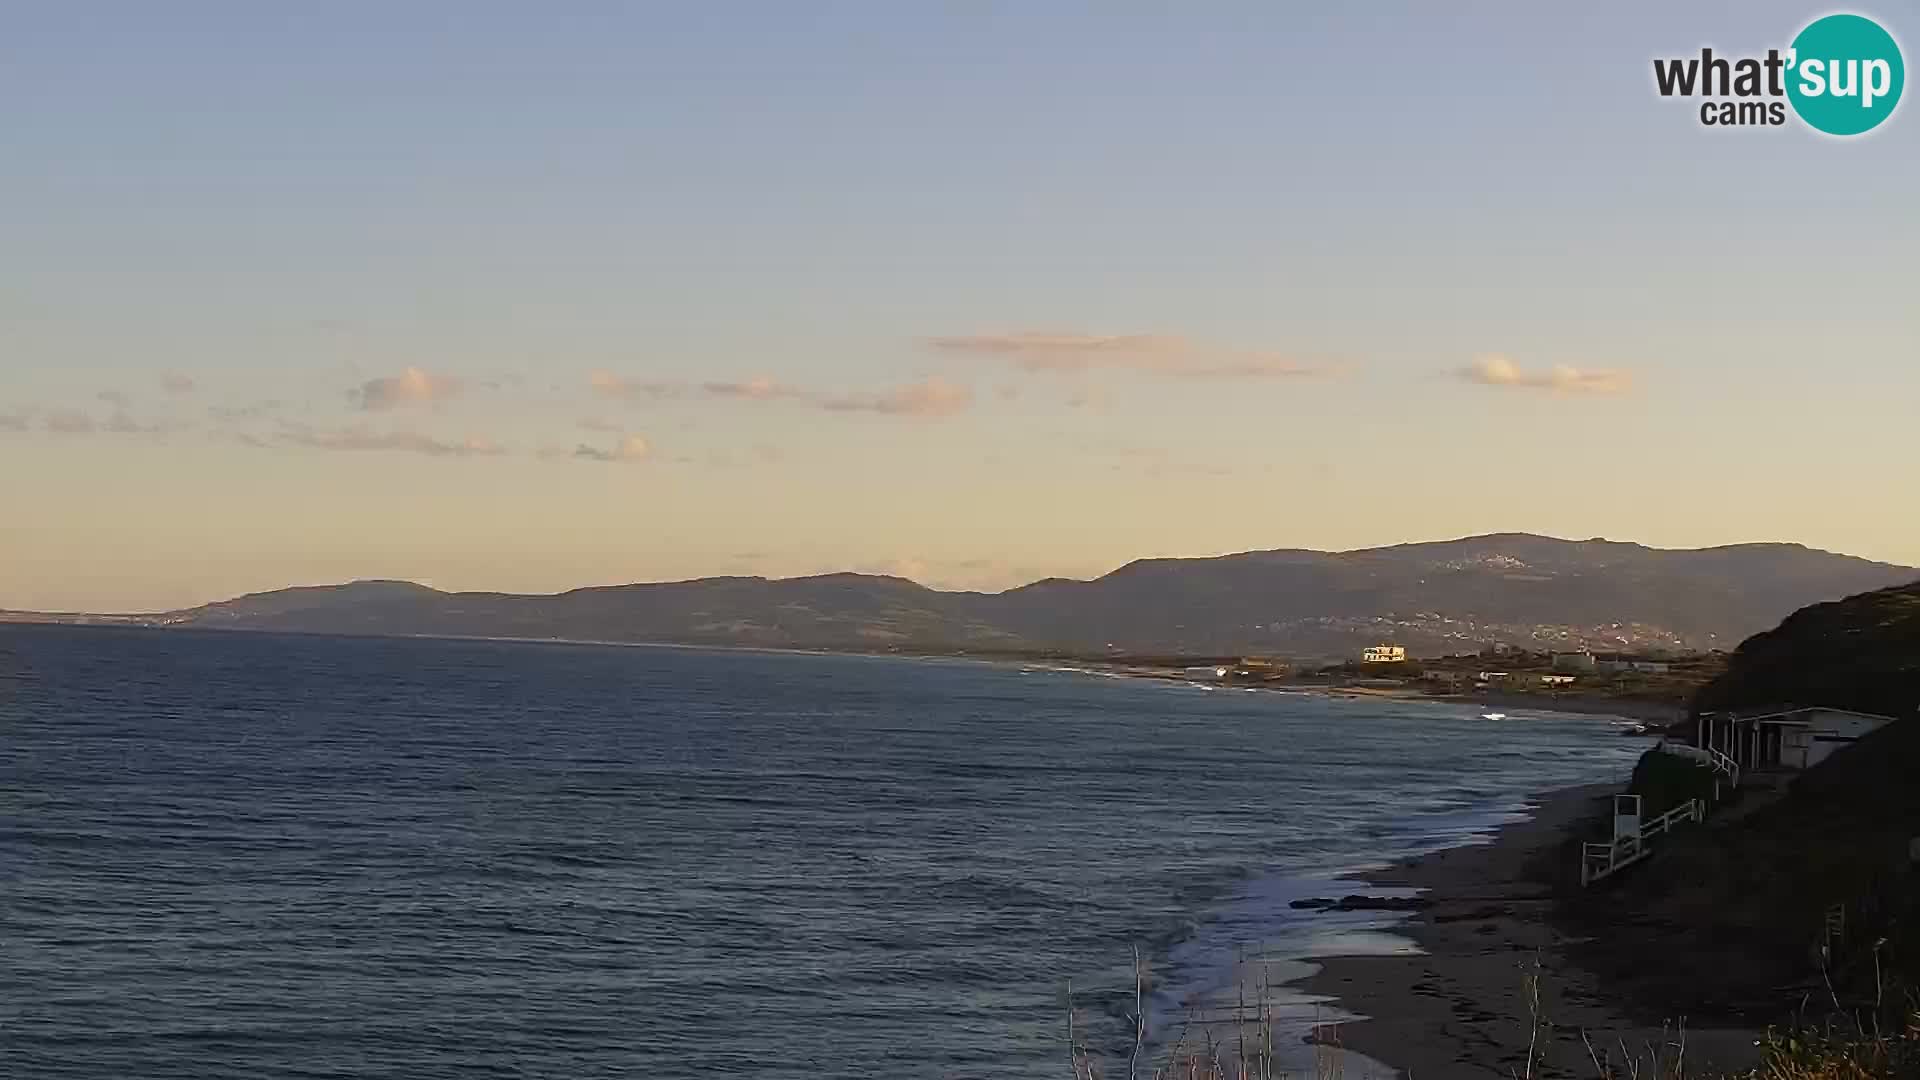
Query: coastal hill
(1862, 653)
(1448, 596)
(1729, 915)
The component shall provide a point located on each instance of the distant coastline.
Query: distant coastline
(1652, 712)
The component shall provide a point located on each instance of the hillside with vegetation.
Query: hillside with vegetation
(1862, 653)
(1795, 913)
(1795, 907)
(1452, 596)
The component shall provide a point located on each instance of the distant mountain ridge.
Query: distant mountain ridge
(1515, 588)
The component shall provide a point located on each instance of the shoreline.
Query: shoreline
(1459, 1007)
(1574, 704)
(1657, 712)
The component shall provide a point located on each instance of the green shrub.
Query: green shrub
(1664, 781)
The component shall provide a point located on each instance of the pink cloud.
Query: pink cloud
(1152, 354)
(609, 385)
(628, 450)
(361, 437)
(932, 397)
(758, 389)
(411, 387)
(70, 422)
(1494, 369)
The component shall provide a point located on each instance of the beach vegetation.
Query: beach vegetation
(1861, 653)
(1664, 781)
(1215, 1040)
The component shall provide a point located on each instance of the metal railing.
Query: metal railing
(1725, 764)
(1599, 860)
(1705, 755)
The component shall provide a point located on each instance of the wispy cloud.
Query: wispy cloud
(609, 385)
(362, 437)
(122, 424)
(254, 411)
(982, 574)
(78, 422)
(175, 383)
(620, 388)
(411, 387)
(904, 566)
(757, 389)
(932, 397)
(1152, 354)
(631, 449)
(1494, 369)
(70, 422)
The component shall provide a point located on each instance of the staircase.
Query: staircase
(1632, 837)
(1713, 759)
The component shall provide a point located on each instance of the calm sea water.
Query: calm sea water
(248, 856)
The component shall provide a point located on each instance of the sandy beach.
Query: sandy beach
(1461, 1008)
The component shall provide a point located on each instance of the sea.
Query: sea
(247, 855)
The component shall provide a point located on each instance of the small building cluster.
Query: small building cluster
(1259, 667)
(1497, 667)
(1487, 680)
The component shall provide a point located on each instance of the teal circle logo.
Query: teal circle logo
(1845, 74)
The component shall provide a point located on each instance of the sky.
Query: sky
(535, 296)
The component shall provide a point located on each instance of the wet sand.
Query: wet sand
(1461, 1007)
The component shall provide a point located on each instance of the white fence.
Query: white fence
(1629, 843)
(1631, 836)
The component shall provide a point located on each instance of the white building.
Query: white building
(1384, 654)
(1788, 738)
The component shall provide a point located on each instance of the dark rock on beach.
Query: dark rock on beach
(1356, 902)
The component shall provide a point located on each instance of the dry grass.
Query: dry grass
(1878, 1039)
(1198, 1051)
